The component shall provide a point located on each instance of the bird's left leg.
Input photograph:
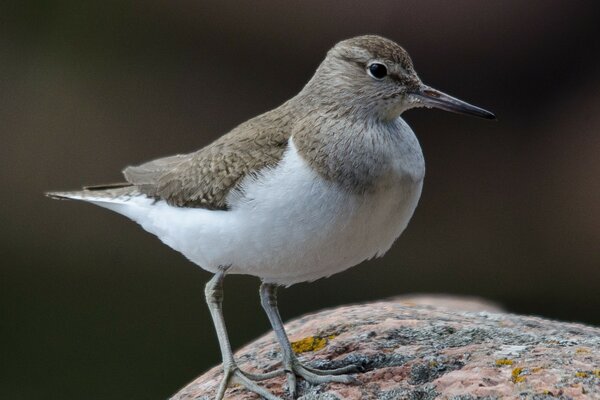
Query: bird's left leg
(291, 365)
(231, 372)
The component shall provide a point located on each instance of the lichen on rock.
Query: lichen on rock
(411, 350)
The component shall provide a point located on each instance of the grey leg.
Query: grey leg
(291, 365)
(231, 372)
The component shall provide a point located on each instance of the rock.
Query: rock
(442, 301)
(425, 350)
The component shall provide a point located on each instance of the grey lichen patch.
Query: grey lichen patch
(547, 396)
(365, 362)
(306, 391)
(425, 393)
(426, 372)
(464, 337)
(436, 336)
(320, 396)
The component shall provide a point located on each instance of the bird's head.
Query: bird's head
(375, 75)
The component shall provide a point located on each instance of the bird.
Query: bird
(323, 182)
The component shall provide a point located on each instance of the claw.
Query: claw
(323, 377)
(253, 387)
(265, 376)
(235, 375)
(316, 376)
(337, 371)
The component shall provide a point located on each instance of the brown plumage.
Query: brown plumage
(205, 178)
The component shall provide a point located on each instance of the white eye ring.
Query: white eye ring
(377, 70)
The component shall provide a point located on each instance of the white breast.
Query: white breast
(287, 225)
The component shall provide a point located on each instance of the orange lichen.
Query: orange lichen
(582, 350)
(581, 374)
(596, 373)
(503, 361)
(310, 343)
(516, 375)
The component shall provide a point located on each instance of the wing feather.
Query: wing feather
(205, 178)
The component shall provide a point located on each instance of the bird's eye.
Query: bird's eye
(377, 70)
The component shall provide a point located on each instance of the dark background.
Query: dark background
(93, 307)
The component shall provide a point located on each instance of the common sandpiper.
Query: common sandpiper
(321, 183)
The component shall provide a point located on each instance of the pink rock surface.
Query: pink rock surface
(420, 350)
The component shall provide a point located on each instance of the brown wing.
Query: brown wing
(205, 178)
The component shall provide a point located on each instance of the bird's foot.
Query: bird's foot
(317, 376)
(232, 375)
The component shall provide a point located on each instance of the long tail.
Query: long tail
(115, 193)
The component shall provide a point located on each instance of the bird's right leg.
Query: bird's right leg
(231, 372)
(291, 364)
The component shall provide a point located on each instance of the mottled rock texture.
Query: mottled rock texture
(426, 349)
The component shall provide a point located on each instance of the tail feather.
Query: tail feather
(108, 186)
(100, 194)
(62, 195)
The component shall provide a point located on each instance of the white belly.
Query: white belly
(289, 225)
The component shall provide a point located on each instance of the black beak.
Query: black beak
(433, 98)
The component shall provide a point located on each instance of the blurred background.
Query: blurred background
(92, 306)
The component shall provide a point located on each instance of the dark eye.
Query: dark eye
(377, 70)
